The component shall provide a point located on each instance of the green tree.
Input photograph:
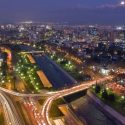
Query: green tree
(97, 89)
(111, 97)
(105, 94)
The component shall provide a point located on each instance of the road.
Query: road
(26, 104)
(22, 89)
(26, 95)
(63, 92)
(69, 116)
(11, 111)
(59, 122)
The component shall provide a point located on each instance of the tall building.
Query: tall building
(94, 31)
(124, 34)
(69, 36)
(34, 37)
(112, 36)
(33, 28)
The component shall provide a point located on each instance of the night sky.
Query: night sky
(72, 11)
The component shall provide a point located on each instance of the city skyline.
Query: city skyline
(59, 74)
(74, 12)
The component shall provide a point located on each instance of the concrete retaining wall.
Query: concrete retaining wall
(107, 108)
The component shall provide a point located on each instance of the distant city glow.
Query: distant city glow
(119, 28)
(27, 22)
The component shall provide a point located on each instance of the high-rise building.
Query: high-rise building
(94, 31)
(112, 36)
(124, 34)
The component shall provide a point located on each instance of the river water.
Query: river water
(90, 112)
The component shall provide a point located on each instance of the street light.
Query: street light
(122, 97)
(3, 81)
(107, 88)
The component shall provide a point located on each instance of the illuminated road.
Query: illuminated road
(58, 122)
(33, 52)
(63, 92)
(26, 95)
(10, 111)
(69, 116)
(30, 104)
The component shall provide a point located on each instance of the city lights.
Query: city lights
(40, 64)
(119, 28)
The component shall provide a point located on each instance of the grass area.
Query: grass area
(70, 71)
(54, 110)
(118, 104)
(77, 76)
(20, 109)
(68, 67)
(30, 85)
(2, 119)
(41, 101)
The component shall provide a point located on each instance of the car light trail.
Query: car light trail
(47, 105)
(10, 111)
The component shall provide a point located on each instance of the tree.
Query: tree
(111, 97)
(62, 62)
(76, 70)
(4, 68)
(4, 54)
(97, 89)
(105, 94)
(123, 105)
